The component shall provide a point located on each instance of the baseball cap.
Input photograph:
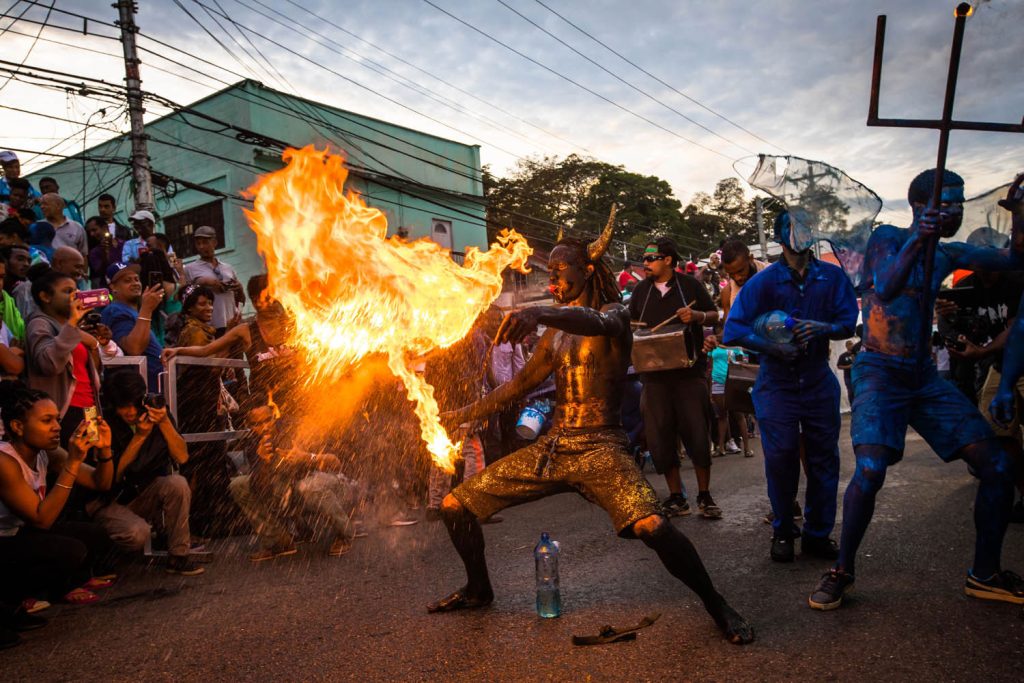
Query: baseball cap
(115, 270)
(205, 231)
(143, 215)
(7, 157)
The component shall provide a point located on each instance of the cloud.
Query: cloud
(795, 73)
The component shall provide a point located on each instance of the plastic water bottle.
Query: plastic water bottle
(775, 326)
(549, 600)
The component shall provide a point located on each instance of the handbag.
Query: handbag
(739, 383)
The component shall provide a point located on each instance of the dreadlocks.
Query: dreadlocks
(604, 279)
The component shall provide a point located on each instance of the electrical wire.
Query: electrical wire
(659, 80)
(577, 83)
(35, 40)
(620, 78)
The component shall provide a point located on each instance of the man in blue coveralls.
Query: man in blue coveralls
(896, 386)
(797, 395)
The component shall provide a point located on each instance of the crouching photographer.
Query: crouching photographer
(147, 491)
(290, 489)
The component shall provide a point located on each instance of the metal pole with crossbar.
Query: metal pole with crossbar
(944, 125)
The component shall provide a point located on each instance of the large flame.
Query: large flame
(355, 293)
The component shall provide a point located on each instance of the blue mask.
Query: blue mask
(790, 231)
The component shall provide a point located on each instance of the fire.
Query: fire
(355, 293)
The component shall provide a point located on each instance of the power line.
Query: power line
(662, 82)
(437, 78)
(619, 78)
(34, 41)
(576, 83)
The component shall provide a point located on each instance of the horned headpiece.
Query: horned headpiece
(596, 249)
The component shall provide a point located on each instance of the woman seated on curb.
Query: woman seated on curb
(65, 559)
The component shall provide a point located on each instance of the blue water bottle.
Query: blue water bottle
(775, 326)
(549, 600)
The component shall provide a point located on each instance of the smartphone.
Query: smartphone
(156, 278)
(92, 432)
(94, 298)
(157, 401)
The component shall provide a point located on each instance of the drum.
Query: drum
(655, 351)
(739, 384)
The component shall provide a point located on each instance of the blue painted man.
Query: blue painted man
(896, 387)
(796, 396)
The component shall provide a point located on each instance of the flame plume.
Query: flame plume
(354, 293)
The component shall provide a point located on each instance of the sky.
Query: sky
(732, 78)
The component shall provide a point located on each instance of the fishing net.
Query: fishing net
(986, 224)
(824, 204)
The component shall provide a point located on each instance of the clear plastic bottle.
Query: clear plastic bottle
(549, 599)
(776, 326)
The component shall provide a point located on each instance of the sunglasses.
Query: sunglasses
(650, 258)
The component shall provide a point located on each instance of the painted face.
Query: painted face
(792, 232)
(567, 274)
(40, 429)
(202, 310)
(952, 205)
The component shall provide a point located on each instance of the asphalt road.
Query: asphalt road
(362, 617)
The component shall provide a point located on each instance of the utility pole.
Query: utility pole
(759, 212)
(140, 157)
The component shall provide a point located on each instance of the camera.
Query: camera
(157, 401)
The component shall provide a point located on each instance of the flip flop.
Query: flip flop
(81, 596)
(97, 583)
(610, 634)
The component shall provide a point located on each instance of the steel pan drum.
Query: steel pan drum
(655, 351)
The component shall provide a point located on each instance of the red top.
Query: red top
(83, 396)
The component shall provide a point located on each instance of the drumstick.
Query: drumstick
(667, 321)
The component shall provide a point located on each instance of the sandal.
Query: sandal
(31, 605)
(81, 596)
(97, 583)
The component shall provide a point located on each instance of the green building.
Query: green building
(205, 155)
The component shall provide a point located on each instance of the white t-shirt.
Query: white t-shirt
(36, 479)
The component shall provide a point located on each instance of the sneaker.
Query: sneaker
(731, 447)
(1017, 514)
(676, 505)
(183, 566)
(782, 549)
(833, 587)
(272, 552)
(825, 548)
(1004, 586)
(707, 506)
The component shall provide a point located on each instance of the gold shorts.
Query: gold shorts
(988, 392)
(594, 464)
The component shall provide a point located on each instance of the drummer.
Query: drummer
(676, 403)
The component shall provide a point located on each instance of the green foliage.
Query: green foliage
(543, 193)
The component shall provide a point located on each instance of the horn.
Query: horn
(560, 235)
(596, 249)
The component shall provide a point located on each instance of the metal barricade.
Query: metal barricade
(171, 391)
(138, 362)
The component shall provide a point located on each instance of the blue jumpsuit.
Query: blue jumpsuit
(801, 398)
